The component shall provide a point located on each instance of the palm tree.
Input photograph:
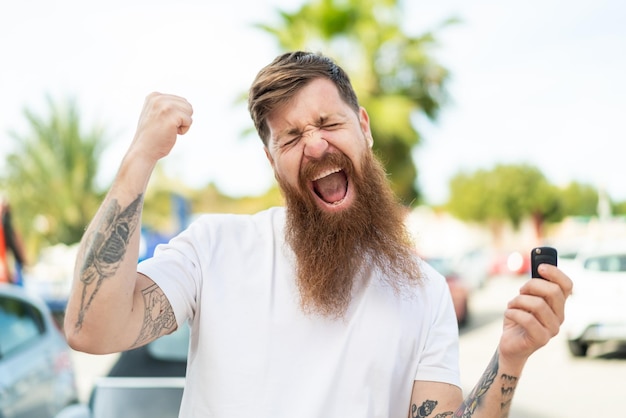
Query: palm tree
(394, 76)
(51, 174)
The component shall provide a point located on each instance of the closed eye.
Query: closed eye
(291, 141)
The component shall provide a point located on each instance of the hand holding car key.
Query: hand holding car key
(541, 255)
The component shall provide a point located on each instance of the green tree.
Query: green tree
(50, 176)
(579, 199)
(394, 74)
(507, 193)
(618, 208)
(211, 199)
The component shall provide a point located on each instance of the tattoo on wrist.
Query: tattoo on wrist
(158, 315)
(509, 383)
(106, 250)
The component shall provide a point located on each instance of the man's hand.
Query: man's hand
(163, 118)
(534, 316)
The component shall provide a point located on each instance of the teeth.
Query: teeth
(326, 173)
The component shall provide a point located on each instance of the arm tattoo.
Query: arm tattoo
(509, 383)
(469, 405)
(158, 315)
(106, 250)
(426, 409)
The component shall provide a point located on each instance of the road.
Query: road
(554, 385)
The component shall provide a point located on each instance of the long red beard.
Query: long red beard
(331, 249)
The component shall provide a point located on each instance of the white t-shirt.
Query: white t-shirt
(254, 353)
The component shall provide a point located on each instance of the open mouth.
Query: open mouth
(331, 186)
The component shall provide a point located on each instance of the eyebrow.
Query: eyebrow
(322, 120)
(287, 133)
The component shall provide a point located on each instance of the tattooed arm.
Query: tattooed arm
(491, 397)
(112, 307)
(531, 319)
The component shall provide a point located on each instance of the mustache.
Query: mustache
(312, 168)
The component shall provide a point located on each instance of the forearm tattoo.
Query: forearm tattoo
(426, 409)
(106, 250)
(470, 404)
(158, 315)
(509, 383)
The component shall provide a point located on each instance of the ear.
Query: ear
(269, 156)
(364, 121)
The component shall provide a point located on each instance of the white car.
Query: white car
(36, 372)
(596, 311)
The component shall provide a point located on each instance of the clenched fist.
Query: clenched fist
(162, 119)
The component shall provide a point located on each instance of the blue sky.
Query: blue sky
(534, 82)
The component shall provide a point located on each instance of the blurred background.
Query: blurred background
(499, 124)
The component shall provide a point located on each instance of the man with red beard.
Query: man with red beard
(317, 309)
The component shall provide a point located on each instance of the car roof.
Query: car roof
(140, 382)
(137, 397)
(19, 292)
(603, 247)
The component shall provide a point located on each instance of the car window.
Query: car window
(570, 255)
(20, 324)
(608, 263)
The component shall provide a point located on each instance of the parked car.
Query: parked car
(36, 373)
(516, 263)
(595, 312)
(137, 397)
(458, 288)
(475, 267)
(144, 382)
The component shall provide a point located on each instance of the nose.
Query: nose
(314, 144)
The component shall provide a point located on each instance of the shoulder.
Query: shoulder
(433, 290)
(431, 278)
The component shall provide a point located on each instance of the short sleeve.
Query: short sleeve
(175, 268)
(439, 360)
